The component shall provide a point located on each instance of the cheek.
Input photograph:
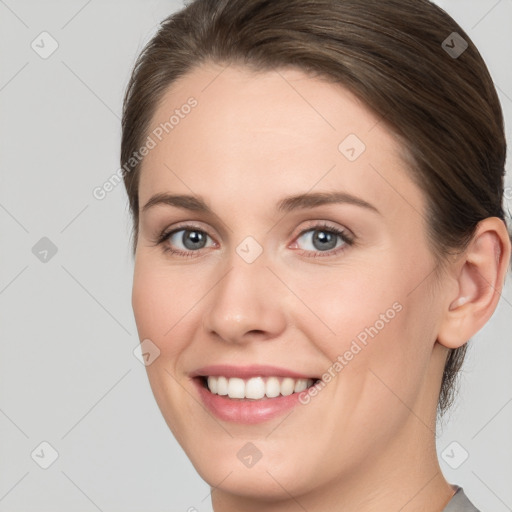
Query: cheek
(377, 335)
(338, 306)
(163, 303)
(164, 308)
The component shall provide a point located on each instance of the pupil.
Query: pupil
(324, 239)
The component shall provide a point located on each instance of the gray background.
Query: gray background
(68, 375)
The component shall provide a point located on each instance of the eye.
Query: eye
(184, 241)
(323, 239)
(318, 240)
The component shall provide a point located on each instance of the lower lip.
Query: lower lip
(245, 411)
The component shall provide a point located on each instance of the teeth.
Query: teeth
(254, 388)
(287, 386)
(257, 388)
(300, 385)
(236, 388)
(272, 387)
(222, 385)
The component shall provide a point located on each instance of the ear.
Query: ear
(479, 273)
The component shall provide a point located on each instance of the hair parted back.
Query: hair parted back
(444, 111)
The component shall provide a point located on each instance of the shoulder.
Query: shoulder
(460, 502)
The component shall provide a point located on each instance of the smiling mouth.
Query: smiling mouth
(255, 388)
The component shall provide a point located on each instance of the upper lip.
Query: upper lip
(248, 371)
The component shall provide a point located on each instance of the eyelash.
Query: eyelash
(348, 240)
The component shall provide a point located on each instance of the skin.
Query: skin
(367, 440)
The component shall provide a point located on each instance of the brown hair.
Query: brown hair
(393, 55)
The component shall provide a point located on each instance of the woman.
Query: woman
(316, 189)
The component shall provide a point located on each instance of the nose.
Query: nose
(246, 304)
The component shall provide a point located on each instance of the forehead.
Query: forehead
(222, 130)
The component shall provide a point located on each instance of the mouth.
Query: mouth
(254, 388)
(250, 394)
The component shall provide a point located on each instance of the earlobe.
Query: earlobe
(480, 273)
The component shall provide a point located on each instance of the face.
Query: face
(299, 259)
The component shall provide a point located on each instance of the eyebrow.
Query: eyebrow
(288, 204)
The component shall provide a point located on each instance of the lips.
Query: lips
(246, 372)
(249, 394)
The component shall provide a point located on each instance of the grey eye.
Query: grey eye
(321, 240)
(190, 239)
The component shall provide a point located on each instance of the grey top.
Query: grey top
(460, 502)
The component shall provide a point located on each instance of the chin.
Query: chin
(233, 466)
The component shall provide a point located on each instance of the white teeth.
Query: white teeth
(287, 386)
(300, 385)
(212, 384)
(222, 385)
(236, 388)
(257, 388)
(272, 388)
